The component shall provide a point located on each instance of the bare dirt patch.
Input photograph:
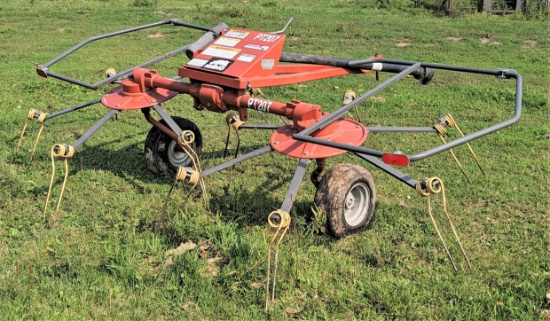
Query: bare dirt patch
(290, 310)
(155, 35)
(378, 99)
(403, 43)
(487, 40)
(453, 38)
(212, 268)
(530, 42)
(166, 14)
(170, 254)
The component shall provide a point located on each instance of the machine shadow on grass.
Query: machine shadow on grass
(242, 207)
(125, 161)
(306, 229)
(245, 207)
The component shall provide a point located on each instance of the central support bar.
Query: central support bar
(235, 161)
(75, 108)
(94, 128)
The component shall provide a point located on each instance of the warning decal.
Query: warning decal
(237, 34)
(246, 57)
(256, 47)
(219, 51)
(224, 41)
(197, 62)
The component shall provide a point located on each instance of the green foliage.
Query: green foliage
(112, 253)
(144, 3)
(537, 9)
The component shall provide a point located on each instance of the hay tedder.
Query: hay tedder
(224, 74)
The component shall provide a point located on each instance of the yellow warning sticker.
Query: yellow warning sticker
(225, 41)
(237, 34)
(220, 51)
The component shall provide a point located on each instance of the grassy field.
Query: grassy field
(110, 254)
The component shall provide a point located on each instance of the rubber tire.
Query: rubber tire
(331, 198)
(160, 151)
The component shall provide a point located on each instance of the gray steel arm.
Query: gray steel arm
(43, 69)
(339, 113)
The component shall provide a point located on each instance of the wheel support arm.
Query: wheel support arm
(295, 184)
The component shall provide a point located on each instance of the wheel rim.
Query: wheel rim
(357, 204)
(176, 157)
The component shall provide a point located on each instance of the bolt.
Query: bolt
(349, 202)
(276, 142)
(153, 100)
(117, 105)
(306, 153)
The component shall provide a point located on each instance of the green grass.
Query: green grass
(104, 254)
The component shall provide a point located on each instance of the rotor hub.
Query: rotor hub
(345, 131)
(131, 95)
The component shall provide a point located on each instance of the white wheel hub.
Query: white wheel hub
(357, 204)
(177, 157)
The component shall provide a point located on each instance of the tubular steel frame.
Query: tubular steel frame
(501, 73)
(44, 72)
(299, 68)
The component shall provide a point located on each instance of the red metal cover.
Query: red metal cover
(237, 54)
(346, 131)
